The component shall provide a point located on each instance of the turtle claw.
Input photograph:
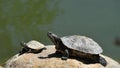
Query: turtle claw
(64, 58)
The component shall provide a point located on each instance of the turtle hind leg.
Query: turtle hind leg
(102, 61)
(65, 55)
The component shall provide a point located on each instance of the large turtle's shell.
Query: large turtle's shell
(82, 43)
(35, 45)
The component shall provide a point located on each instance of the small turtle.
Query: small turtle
(32, 47)
(77, 46)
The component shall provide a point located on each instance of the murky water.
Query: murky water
(25, 20)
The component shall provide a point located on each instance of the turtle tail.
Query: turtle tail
(102, 61)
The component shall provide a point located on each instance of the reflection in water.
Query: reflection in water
(24, 20)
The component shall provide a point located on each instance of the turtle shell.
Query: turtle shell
(35, 45)
(82, 43)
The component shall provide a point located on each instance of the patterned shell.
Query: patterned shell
(82, 43)
(35, 45)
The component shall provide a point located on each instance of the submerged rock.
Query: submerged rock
(48, 59)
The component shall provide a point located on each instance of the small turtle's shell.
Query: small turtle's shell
(82, 43)
(35, 45)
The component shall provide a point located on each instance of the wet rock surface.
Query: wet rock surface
(48, 59)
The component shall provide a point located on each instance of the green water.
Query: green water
(24, 20)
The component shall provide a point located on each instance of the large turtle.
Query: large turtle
(77, 46)
(32, 46)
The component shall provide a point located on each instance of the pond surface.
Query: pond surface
(25, 20)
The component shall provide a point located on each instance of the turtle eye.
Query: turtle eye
(49, 33)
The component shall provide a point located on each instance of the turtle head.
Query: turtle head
(23, 44)
(54, 38)
(24, 48)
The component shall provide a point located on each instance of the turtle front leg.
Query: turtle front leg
(40, 50)
(65, 55)
(29, 50)
(23, 50)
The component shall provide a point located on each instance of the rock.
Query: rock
(1, 67)
(42, 60)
